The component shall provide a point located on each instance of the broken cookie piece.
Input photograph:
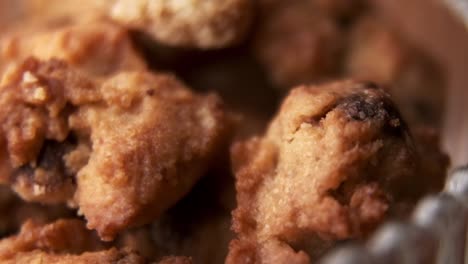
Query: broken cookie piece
(334, 163)
(200, 23)
(131, 145)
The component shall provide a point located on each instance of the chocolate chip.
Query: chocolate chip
(364, 107)
(50, 159)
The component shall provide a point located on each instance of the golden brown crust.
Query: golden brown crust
(151, 140)
(157, 155)
(189, 23)
(334, 162)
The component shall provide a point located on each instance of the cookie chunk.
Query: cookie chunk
(334, 163)
(200, 23)
(122, 150)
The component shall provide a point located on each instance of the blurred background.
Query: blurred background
(440, 27)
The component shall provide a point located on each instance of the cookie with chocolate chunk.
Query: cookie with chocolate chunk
(334, 163)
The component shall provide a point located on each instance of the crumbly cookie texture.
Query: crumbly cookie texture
(96, 47)
(189, 23)
(130, 145)
(335, 161)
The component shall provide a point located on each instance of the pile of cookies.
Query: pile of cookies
(190, 131)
